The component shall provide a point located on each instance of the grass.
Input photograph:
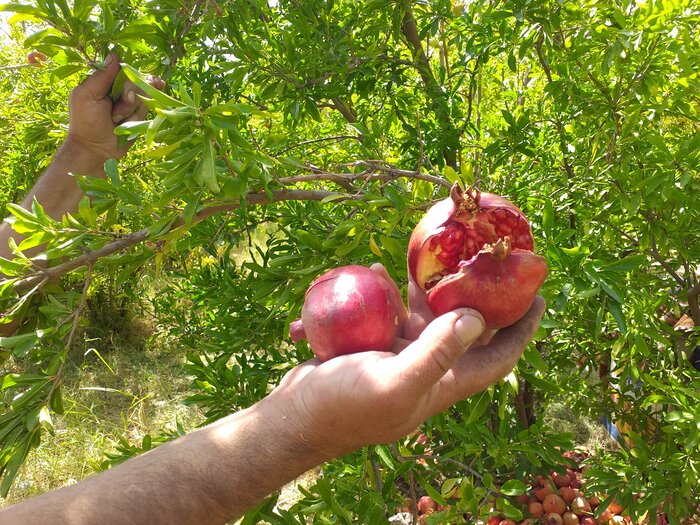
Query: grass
(127, 383)
(591, 435)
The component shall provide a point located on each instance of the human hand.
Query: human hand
(93, 114)
(377, 397)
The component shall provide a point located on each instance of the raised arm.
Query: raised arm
(89, 143)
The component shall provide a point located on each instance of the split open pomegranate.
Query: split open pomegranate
(475, 250)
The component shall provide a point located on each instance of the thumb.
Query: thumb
(100, 82)
(439, 347)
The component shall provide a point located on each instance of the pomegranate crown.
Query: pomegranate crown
(466, 201)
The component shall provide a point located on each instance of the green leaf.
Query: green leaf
(20, 345)
(161, 98)
(450, 174)
(63, 72)
(23, 9)
(383, 452)
(512, 64)
(509, 511)
(513, 487)
(619, 316)
(478, 407)
(627, 264)
(394, 197)
(548, 216)
(534, 358)
(205, 171)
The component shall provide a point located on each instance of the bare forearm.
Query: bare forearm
(208, 477)
(57, 190)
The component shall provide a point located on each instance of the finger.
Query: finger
(127, 103)
(401, 308)
(156, 82)
(482, 366)
(486, 337)
(419, 315)
(437, 350)
(130, 103)
(99, 84)
(138, 115)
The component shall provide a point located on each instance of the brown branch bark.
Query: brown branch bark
(386, 173)
(376, 170)
(693, 302)
(89, 258)
(409, 29)
(568, 167)
(663, 262)
(345, 110)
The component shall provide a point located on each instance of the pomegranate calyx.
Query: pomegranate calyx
(466, 202)
(501, 249)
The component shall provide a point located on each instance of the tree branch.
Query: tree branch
(322, 139)
(663, 262)
(386, 173)
(50, 274)
(375, 170)
(409, 29)
(693, 303)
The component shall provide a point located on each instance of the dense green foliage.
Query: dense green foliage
(314, 133)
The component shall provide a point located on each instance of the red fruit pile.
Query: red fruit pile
(559, 499)
(475, 250)
(346, 310)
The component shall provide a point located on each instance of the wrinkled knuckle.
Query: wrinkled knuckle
(442, 354)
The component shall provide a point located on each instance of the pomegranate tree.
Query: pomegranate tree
(346, 310)
(475, 250)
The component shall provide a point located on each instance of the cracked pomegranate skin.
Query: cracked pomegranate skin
(475, 250)
(347, 310)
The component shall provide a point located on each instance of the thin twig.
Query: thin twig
(663, 262)
(692, 293)
(323, 139)
(74, 329)
(55, 272)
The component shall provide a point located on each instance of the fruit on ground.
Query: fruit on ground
(543, 492)
(615, 507)
(554, 503)
(587, 520)
(346, 310)
(561, 480)
(554, 519)
(569, 518)
(475, 250)
(535, 509)
(507, 522)
(580, 505)
(567, 493)
(426, 504)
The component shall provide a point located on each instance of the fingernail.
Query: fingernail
(117, 118)
(469, 327)
(131, 97)
(109, 59)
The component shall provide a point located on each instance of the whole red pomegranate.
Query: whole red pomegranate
(475, 250)
(426, 504)
(346, 310)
